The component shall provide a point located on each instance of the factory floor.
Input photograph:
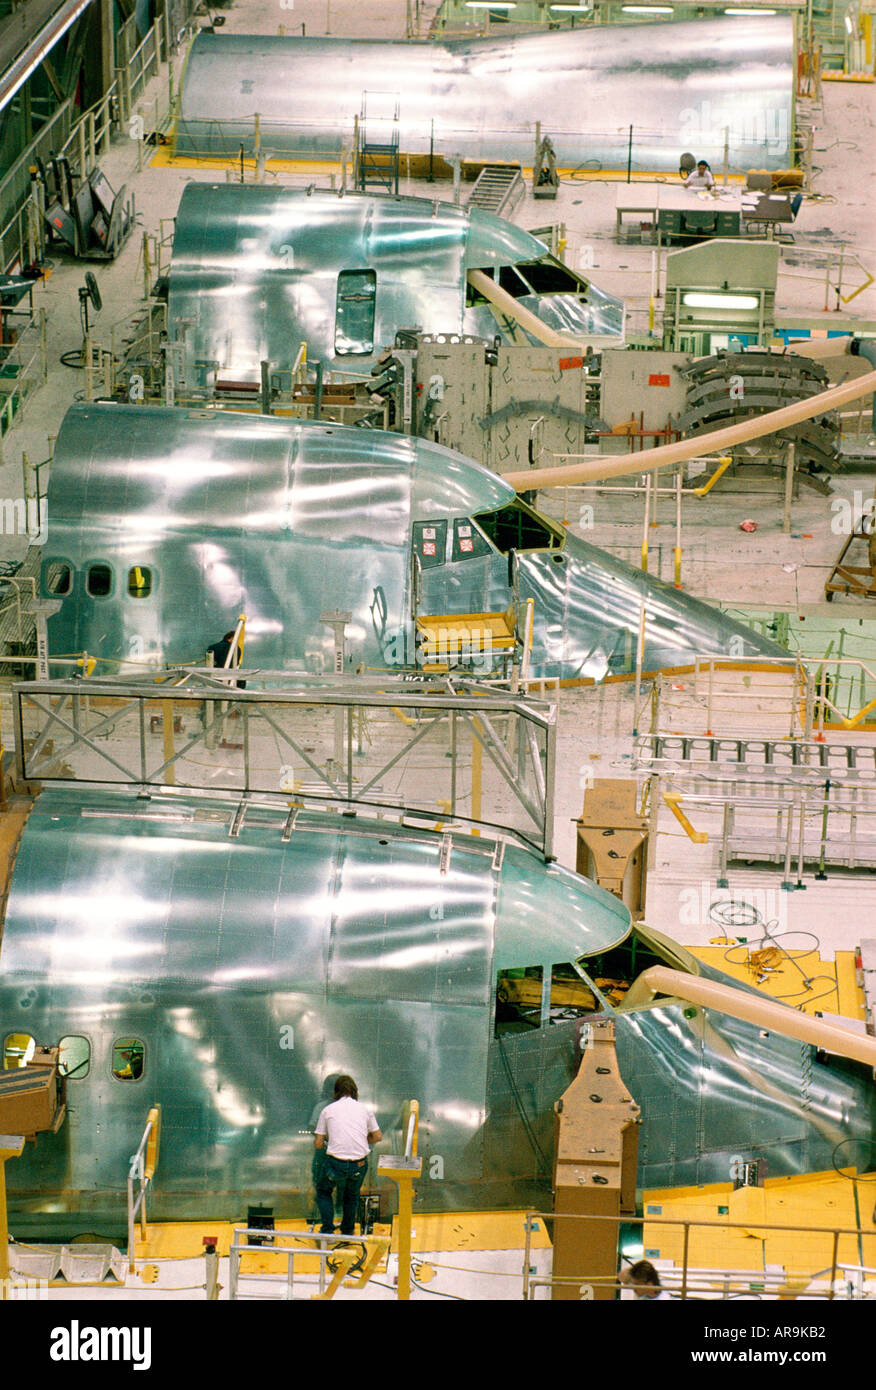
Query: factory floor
(769, 570)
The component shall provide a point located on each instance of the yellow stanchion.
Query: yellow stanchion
(11, 1146)
(404, 1169)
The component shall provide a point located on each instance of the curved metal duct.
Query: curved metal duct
(679, 85)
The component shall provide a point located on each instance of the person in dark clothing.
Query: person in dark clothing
(220, 652)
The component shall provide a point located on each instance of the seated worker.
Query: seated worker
(702, 178)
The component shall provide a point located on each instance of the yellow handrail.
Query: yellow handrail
(673, 801)
(723, 465)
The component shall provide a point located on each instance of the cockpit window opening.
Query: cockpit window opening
(550, 276)
(468, 541)
(544, 276)
(520, 527)
(18, 1048)
(99, 581)
(57, 578)
(354, 315)
(139, 581)
(518, 1000)
(430, 542)
(74, 1057)
(128, 1059)
(572, 994)
(614, 972)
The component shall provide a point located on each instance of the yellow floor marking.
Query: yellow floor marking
(164, 158)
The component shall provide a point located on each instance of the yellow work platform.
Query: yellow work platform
(816, 1204)
(834, 988)
(457, 636)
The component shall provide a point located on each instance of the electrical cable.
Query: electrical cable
(858, 1177)
(729, 911)
(527, 1125)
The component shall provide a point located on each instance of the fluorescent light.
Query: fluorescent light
(757, 11)
(491, 4)
(848, 23)
(648, 9)
(571, 9)
(698, 300)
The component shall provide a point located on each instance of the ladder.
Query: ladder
(377, 142)
(498, 189)
(776, 759)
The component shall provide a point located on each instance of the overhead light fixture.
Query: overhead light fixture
(648, 9)
(491, 4)
(847, 20)
(571, 9)
(695, 299)
(751, 11)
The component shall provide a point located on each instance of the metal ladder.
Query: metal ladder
(377, 153)
(498, 188)
(775, 758)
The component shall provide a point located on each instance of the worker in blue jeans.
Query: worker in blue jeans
(346, 1129)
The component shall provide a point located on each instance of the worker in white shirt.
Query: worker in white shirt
(701, 178)
(346, 1129)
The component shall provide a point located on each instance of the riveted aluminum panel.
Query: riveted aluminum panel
(679, 84)
(253, 970)
(285, 520)
(255, 270)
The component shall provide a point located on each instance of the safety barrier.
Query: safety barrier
(359, 1255)
(690, 1281)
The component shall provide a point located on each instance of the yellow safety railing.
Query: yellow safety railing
(403, 1169)
(140, 1174)
(673, 801)
(723, 464)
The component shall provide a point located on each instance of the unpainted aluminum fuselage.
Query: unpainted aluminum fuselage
(246, 971)
(164, 525)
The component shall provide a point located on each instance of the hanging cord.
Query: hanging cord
(518, 1100)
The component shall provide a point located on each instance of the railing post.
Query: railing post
(684, 1261)
(131, 1242)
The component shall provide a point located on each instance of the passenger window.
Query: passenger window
(57, 578)
(74, 1057)
(468, 542)
(139, 582)
(354, 318)
(98, 581)
(128, 1057)
(18, 1050)
(570, 995)
(518, 1000)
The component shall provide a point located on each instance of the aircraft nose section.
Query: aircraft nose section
(589, 610)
